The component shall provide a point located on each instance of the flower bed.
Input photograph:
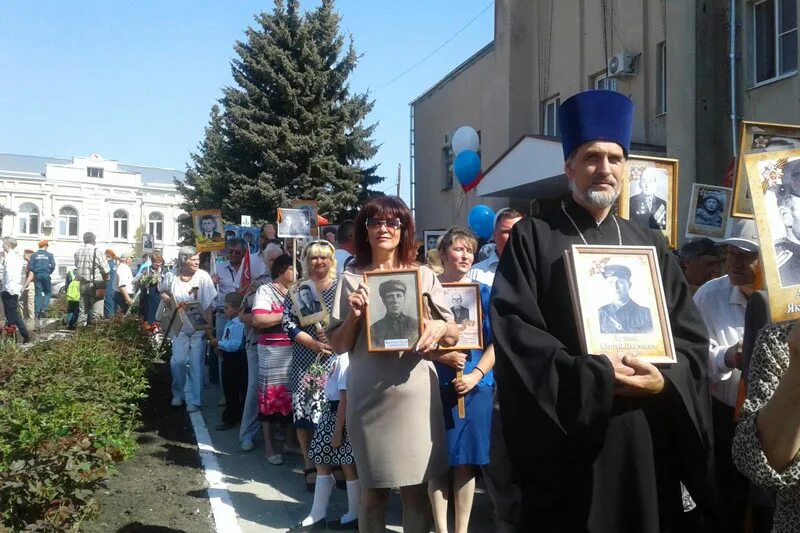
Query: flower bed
(68, 409)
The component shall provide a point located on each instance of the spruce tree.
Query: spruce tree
(290, 127)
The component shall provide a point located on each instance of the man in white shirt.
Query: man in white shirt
(123, 284)
(12, 287)
(504, 221)
(347, 246)
(227, 279)
(722, 303)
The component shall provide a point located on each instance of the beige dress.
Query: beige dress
(394, 410)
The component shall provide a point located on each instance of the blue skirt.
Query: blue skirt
(468, 438)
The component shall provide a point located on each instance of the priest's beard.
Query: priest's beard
(595, 199)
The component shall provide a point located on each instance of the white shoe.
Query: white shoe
(177, 402)
(191, 408)
(247, 445)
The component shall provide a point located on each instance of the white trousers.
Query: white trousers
(187, 357)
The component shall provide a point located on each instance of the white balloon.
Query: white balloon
(465, 138)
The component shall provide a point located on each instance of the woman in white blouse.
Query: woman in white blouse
(189, 283)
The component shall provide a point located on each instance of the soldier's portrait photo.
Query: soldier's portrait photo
(432, 239)
(709, 211)
(310, 308)
(622, 314)
(394, 311)
(648, 208)
(787, 246)
(464, 300)
(293, 223)
(250, 236)
(208, 230)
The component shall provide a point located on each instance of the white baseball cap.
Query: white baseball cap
(743, 236)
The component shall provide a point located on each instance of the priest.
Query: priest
(599, 443)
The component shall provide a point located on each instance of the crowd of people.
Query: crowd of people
(563, 440)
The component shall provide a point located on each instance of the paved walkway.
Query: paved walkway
(272, 498)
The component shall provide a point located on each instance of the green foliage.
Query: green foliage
(289, 128)
(68, 411)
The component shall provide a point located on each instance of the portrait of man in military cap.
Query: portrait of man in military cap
(393, 313)
(622, 314)
(647, 209)
(787, 248)
(709, 211)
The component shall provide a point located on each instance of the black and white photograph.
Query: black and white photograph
(148, 243)
(293, 224)
(250, 235)
(394, 311)
(464, 301)
(649, 195)
(192, 313)
(709, 211)
(758, 138)
(329, 233)
(432, 239)
(310, 308)
(619, 301)
(231, 232)
(208, 230)
(309, 209)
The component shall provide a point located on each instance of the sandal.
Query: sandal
(310, 485)
(338, 474)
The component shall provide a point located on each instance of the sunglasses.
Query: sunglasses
(392, 224)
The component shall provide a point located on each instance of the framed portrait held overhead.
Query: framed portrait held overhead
(709, 211)
(148, 243)
(774, 179)
(308, 306)
(649, 195)
(329, 233)
(293, 224)
(431, 238)
(464, 300)
(208, 230)
(394, 313)
(758, 138)
(618, 300)
(310, 211)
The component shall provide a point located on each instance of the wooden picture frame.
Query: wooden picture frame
(619, 302)
(709, 211)
(308, 310)
(469, 321)
(663, 211)
(755, 138)
(779, 264)
(378, 331)
(431, 239)
(203, 243)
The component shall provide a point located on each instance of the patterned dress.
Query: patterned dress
(274, 359)
(770, 360)
(307, 407)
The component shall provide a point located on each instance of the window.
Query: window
(94, 172)
(550, 117)
(120, 224)
(28, 219)
(774, 38)
(68, 222)
(155, 226)
(661, 78)
(447, 162)
(604, 82)
(62, 271)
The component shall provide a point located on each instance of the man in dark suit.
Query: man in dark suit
(646, 209)
(208, 229)
(308, 305)
(395, 326)
(623, 315)
(460, 313)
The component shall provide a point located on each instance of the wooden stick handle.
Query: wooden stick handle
(462, 412)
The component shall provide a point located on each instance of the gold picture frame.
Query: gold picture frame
(378, 309)
(663, 212)
(619, 302)
(470, 319)
(208, 239)
(755, 138)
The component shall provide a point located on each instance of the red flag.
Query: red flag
(245, 270)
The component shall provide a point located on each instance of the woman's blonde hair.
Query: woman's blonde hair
(320, 248)
(454, 234)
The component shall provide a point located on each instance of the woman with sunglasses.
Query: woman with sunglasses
(394, 412)
(309, 342)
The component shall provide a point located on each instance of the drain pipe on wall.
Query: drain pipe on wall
(732, 57)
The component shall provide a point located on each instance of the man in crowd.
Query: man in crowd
(227, 279)
(701, 261)
(347, 246)
(92, 271)
(41, 266)
(598, 443)
(722, 303)
(123, 284)
(498, 474)
(12, 287)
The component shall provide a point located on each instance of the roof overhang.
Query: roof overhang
(532, 168)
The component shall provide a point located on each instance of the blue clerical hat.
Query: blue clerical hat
(595, 116)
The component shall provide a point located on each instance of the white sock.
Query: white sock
(322, 493)
(353, 501)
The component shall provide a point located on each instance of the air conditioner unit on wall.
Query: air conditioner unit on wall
(48, 223)
(622, 64)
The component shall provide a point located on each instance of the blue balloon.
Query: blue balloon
(481, 220)
(466, 166)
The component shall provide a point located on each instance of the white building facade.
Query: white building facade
(61, 199)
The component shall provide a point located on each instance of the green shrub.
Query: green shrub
(68, 410)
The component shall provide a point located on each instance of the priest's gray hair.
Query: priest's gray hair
(185, 253)
(595, 199)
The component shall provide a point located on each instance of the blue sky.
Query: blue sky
(134, 81)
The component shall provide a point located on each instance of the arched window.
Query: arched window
(155, 226)
(120, 224)
(28, 219)
(68, 221)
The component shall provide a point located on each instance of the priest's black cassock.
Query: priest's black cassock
(588, 460)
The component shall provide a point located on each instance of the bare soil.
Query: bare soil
(162, 488)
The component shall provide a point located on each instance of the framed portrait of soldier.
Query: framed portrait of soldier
(310, 210)
(649, 195)
(709, 211)
(208, 230)
(148, 243)
(251, 236)
(192, 313)
(774, 179)
(293, 224)
(758, 138)
(394, 313)
(619, 304)
(432, 239)
(308, 306)
(329, 233)
(464, 301)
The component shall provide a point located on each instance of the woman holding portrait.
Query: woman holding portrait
(394, 410)
(148, 280)
(310, 344)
